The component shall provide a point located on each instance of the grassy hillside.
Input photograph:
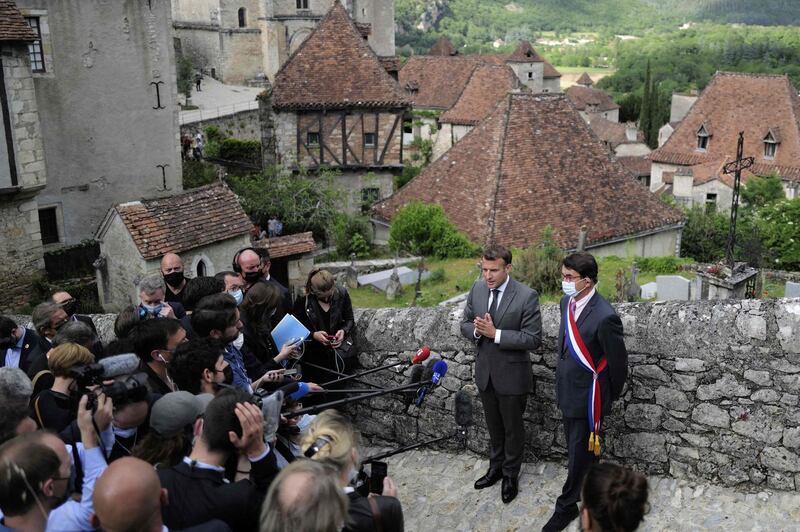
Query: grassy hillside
(478, 23)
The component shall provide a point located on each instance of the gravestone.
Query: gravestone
(792, 289)
(395, 287)
(672, 287)
(649, 290)
(380, 280)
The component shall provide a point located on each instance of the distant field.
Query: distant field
(569, 75)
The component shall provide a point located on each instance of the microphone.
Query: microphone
(416, 373)
(463, 409)
(427, 377)
(302, 389)
(119, 365)
(422, 355)
(439, 371)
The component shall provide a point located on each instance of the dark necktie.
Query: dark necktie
(493, 306)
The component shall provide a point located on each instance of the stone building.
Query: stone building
(487, 85)
(690, 163)
(679, 108)
(532, 70)
(592, 102)
(206, 226)
(335, 106)
(622, 140)
(22, 167)
(292, 258)
(533, 163)
(236, 41)
(105, 87)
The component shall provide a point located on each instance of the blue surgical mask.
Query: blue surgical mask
(237, 295)
(153, 310)
(304, 422)
(568, 287)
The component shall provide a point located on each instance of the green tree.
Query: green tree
(424, 229)
(705, 235)
(185, 76)
(302, 202)
(646, 112)
(539, 266)
(761, 191)
(780, 228)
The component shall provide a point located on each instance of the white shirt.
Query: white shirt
(13, 355)
(500, 291)
(581, 304)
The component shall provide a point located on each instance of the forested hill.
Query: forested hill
(478, 23)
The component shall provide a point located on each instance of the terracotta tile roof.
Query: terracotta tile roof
(440, 80)
(487, 86)
(525, 54)
(585, 80)
(526, 166)
(12, 24)
(390, 63)
(733, 102)
(590, 99)
(637, 166)
(613, 133)
(335, 68)
(550, 71)
(194, 218)
(443, 47)
(289, 245)
(364, 28)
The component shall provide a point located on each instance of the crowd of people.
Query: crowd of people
(188, 419)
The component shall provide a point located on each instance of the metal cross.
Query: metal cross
(735, 167)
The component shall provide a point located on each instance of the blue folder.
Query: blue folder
(288, 329)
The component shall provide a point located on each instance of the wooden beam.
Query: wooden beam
(389, 140)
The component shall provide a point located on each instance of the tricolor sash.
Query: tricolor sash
(577, 348)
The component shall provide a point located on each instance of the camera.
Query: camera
(130, 389)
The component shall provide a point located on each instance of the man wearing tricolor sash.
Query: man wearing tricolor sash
(591, 372)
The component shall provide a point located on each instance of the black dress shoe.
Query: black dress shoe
(489, 479)
(510, 489)
(561, 520)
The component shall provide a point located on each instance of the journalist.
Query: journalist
(54, 409)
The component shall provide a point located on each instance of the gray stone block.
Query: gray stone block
(672, 287)
(792, 289)
(649, 290)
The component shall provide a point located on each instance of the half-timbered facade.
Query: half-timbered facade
(334, 105)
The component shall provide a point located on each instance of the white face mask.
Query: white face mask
(304, 422)
(237, 295)
(568, 287)
(239, 342)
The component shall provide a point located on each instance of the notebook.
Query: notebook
(288, 329)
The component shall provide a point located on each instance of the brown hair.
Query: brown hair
(66, 356)
(615, 496)
(496, 251)
(319, 281)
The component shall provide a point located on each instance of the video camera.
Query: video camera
(132, 388)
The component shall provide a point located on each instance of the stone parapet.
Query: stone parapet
(712, 391)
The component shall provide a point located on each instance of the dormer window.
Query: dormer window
(771, 144)
(702, 138)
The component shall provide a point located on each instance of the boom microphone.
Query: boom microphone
(119, 365)
(463, 409)
(422, 355)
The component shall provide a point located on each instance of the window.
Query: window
(242, 17)
(702, 138)
(48, 225)
(530, 75)
(35, 48)
(201, 268)
(370, 140)
(369, 197)
(711, 202)
(312, 138)
(302, 4)
(770, 146)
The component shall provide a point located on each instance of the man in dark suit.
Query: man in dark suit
(502, 317)
(19, 346)
(595, 326)
(70, 305)
(286, 297)
(198, 491)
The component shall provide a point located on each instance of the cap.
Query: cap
(174, 411)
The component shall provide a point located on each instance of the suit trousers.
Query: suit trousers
(576, 431)
(506, 430)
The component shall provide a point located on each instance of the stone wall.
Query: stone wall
(712, 391)
(243, 125)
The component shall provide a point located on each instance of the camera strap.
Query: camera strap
(376, 513)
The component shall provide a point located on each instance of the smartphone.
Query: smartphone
(377, 473)
(290, 372)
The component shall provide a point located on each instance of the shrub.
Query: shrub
(659, 264)
(352, 234)
(213, 134)
(409, 172)
(539, 266)
(198, 173)
(437, 275)
(779, 224)
(248, 151)
(425, 230)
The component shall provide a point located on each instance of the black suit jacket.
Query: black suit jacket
(200, 495)
(508, 363)
(360, 518)
(33, 355)
(601, 330)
